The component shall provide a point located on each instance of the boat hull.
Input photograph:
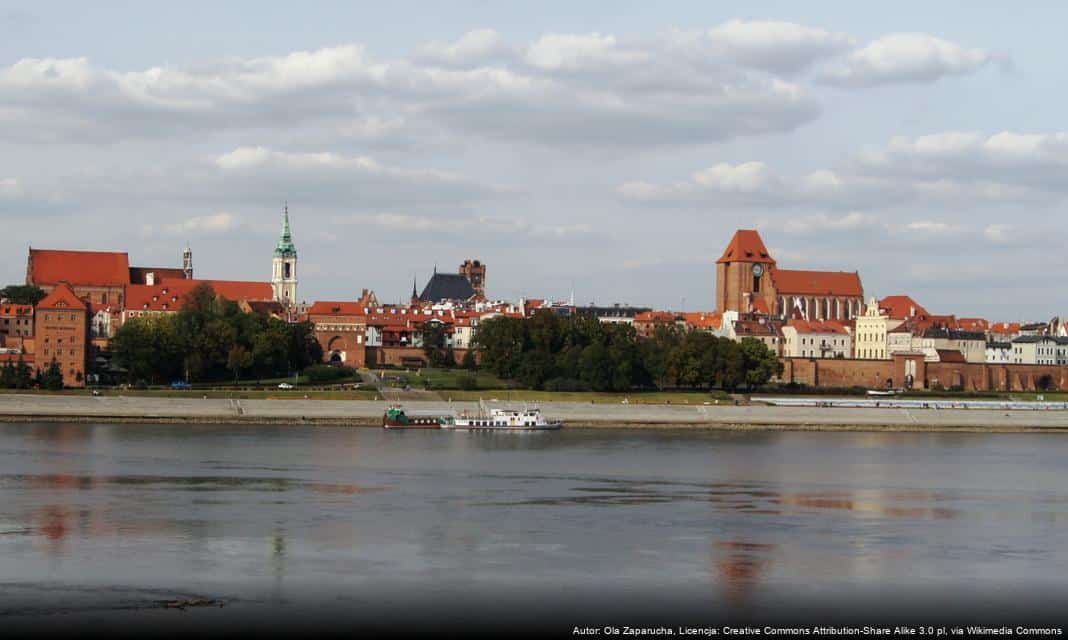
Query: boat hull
(551, 426)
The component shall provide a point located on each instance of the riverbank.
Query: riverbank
(126, 409)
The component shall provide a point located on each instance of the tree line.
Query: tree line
(579, 352)
(210, 338)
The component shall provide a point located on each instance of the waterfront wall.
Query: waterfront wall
(874, 374)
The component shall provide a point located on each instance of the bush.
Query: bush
(467, 382)
(321, 373)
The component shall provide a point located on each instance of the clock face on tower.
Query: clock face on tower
(758, 270)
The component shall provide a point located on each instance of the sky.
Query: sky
(609, 148)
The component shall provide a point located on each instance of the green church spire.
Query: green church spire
(285, 247)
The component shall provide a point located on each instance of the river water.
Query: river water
(118, 524)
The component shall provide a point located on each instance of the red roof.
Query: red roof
(746, 246)
(13, 310)
(328, 308)
(63, 297)
(899, 307)
(973, 324)
(817, 326)
(655, 316)
(820, 283)
(704, 319)
(1005, 327)
(87, 268)
(139, 275)
(170, 294)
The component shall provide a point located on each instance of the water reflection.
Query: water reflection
(278, 510)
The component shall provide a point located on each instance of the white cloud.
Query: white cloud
(466, 226)
(591, 89)
(776, 46)
(825, 222)
(217, 223)
(10, 188)
(578, 52)
(474, 47)
(904, 58)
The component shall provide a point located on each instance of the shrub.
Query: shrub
(320, 373)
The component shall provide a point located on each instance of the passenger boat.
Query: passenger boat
(396, 418)
(526, 419)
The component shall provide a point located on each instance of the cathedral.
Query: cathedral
(748, 280)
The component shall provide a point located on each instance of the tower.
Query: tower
(475, 272)
(743, 279)
(284, 274)
(187, 263)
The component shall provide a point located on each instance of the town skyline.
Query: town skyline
(851, 141)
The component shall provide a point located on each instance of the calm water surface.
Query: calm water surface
(284, 522)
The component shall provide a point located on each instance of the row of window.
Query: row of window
(59, 352)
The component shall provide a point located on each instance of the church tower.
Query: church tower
(284, 275)
(187, 263)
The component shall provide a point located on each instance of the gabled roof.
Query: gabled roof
(447, 286)
(820, 283)
(63, 297)
(746, 246)
(899, 307)
(86, 268)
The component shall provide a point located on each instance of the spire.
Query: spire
(414, 294)
(285, 245)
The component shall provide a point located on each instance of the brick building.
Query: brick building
(16, 322)
(61, 331)
(340, 328)
(748, 280)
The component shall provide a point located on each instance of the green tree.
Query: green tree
(23, 374)
(238, 359)
(7, 376)
(469, 362)
(759, 362)
(433, 335)
(22, 294)
(52, 377)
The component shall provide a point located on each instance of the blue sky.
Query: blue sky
(614, 146)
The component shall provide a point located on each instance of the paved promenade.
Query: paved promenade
(18, 407)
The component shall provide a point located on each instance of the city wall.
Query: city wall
(874, 374)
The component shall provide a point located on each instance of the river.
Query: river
(256, 527)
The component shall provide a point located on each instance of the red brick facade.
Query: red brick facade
(874, 374)
(62, 334)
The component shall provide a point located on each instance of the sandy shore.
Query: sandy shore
(30, 407)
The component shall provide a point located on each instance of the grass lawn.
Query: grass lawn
(441, 379)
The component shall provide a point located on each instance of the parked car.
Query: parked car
(285, 385)
(181, 385)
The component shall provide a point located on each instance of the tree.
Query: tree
(52, 378)
(23, 374)
(759, 362)
(22, 294)
(434, 342)
(238, 359)
(7, 376)
(469, 362)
